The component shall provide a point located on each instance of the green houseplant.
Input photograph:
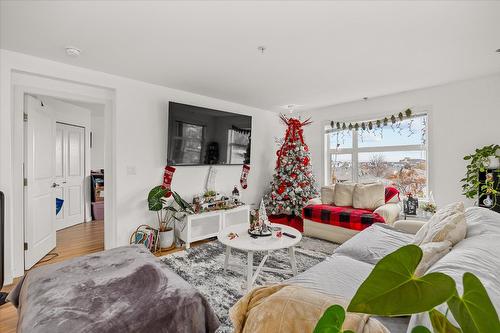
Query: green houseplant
(482, 159)
(168, 212)
(392, 289)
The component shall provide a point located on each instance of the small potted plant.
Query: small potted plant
(168, 212)
(429, 209)
(210, 195)
(483, 159)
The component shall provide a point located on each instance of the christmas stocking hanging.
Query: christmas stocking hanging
(167, 179)
(244, 176)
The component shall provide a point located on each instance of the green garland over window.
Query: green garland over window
(372, 124)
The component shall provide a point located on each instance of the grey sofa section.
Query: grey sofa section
(343, 272)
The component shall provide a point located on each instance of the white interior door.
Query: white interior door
(70, 174)
(39, 171)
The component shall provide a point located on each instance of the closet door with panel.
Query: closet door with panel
(70, 174)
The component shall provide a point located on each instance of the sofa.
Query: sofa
(344, 209)
(342, 273)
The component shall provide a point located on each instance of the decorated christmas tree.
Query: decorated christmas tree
(293, 183)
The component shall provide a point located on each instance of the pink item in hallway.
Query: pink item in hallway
(98, 210)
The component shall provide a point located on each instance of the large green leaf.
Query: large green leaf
(392, 289)
(154, 198)
(474, 311)
(331, 321)
(420, 329)
(440, 323)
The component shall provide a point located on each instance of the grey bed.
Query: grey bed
(125, 289)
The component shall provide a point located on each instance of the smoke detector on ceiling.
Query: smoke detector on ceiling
(73, 51)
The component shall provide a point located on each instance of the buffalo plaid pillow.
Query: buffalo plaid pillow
(346, 217)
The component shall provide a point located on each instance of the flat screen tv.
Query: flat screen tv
(201, 136)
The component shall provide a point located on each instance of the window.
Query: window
(392, 154)
(188, 143)
(238, 146)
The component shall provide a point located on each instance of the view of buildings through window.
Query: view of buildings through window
(395, 154)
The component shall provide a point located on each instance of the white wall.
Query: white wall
(140, 136)
(97, 150)
(462, 116)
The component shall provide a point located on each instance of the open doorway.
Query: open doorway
(64, 178)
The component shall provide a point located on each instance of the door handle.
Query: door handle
(55, 185)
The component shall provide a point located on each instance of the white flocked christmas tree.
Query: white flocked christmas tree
(293, 183)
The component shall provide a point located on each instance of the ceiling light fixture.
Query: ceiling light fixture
(261, 49)
(73, 51)
(291, 107)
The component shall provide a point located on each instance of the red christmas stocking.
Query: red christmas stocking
(244, 176)
(167, 179)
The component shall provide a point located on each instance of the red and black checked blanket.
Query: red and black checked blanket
(346, 217)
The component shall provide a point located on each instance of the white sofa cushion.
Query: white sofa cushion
(374, 243)
(327, 193)
(478, 253)
(368, 196)
(431, 253)
(342, 195)
(447, 224)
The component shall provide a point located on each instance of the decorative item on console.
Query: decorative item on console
(235, 195)
(212, 200)
(410, 204)
(430, 207)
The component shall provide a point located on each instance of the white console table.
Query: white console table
(209, 224)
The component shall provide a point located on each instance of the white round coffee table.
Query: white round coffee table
(246, 243)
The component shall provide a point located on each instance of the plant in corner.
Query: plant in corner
(482, 159)
(168, 212)
(392, 289)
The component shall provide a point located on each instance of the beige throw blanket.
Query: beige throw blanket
(292, 309)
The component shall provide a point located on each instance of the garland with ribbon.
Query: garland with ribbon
(372, 124)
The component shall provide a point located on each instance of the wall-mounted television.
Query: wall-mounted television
(201, 136)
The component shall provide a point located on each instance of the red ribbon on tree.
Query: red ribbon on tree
(293, 131)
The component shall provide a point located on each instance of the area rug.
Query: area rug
(203, 267)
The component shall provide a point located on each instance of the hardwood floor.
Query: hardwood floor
(72, 242)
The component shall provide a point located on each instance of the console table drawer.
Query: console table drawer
(201, 227)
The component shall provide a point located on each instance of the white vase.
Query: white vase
(166, 238)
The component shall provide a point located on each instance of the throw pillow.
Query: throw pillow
(327, 194)
(342, 195)
(391, 195)
(431, 253)
(448, 223)
(368, 196)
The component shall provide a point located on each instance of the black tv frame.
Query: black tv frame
(209, 109)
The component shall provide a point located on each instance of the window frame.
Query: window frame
(355, 150)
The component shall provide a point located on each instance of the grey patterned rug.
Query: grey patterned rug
(203, 267)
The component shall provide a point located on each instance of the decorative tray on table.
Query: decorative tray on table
(260, 233)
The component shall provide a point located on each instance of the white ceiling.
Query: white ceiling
(318, 53)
